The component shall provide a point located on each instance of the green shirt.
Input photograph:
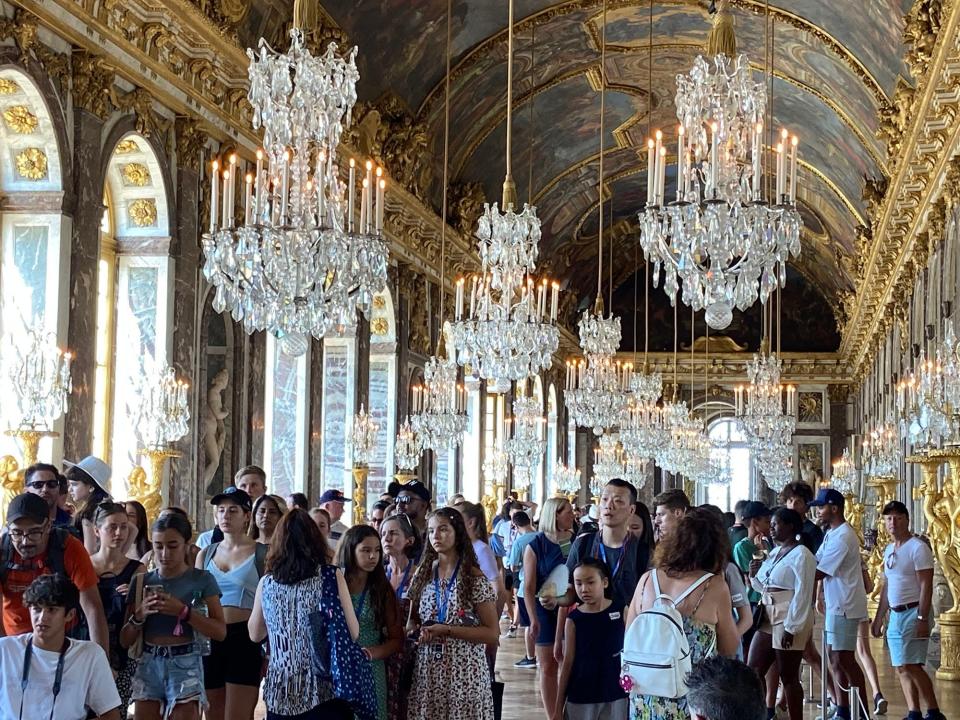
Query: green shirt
(742, 556)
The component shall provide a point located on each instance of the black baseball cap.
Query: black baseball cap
(827, 496)
(334, 496)
(234, 495)
(414, 487)
(29, 506)
(755, 509)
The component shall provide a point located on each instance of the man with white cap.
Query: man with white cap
(332, 501)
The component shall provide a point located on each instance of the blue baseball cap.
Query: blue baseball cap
(827, 496)
(334, 496)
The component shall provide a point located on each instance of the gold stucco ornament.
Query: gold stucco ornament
(20, 120)
(143, 212)
(8, 86)
(136, 174)
(32, 164)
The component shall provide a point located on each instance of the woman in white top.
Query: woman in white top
(786, 582)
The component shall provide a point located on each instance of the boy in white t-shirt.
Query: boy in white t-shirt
(907, 593)
(62, 678)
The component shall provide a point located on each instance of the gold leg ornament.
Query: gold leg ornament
(30, 439)
(147, 488)
(360, 475)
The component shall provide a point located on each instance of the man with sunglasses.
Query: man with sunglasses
(907, 592)
(413, 500)
(32, 547)
(47, 482)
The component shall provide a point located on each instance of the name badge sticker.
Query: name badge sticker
(614, 616)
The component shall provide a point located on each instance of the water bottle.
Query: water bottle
(199, 606)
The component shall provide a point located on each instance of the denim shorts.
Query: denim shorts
(169, 680)
(905, 647)
(842, 632)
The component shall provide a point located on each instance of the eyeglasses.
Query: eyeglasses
(406, 499)
(31, 534)
(41, 484)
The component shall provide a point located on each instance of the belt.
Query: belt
(170, 650)
(904, 608)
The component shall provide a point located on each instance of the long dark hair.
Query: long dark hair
(297, 550)
(90, 505)
(468, 561)
(643, 512)
(378, 588)
(143, 527)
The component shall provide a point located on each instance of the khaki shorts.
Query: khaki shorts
(800, 639)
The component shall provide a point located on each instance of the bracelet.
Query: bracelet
(136, 623)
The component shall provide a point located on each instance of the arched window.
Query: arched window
(134, 297)
(35, 238)
(735, 454)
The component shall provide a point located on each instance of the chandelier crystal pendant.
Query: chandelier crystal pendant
(39, 375)
(364, 437)
(720, 238)
(776, 466)
(439, 416)
(566, 479)
(162, 414)
(408, 448)
(881, 451)
(507, 329)
(289, 260)
(526, 447)
(609, 461)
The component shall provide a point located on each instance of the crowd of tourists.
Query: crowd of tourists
(623, 612)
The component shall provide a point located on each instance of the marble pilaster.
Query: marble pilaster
(315, 413)
(84, 255)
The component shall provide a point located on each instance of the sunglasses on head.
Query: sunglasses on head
(41, 484)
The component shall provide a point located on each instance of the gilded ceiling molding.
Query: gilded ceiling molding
(728, 367)
(140, 102)
(191, 140)
(93, 84)
(23, 29)
(758, 7)
(930, 139)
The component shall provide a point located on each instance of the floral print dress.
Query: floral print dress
(703, 643)
(455, 685)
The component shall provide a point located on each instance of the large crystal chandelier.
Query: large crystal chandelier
(766, 408)
(407, 448)
(776, 466)
(296, 265)
(928, 399)
(609, 460)
(566, 479)
(507, 330)
(161, 415)
(364, 437)
(526, 447)
(642, 432)
(439, 415)
(673, 456)
(881, 451)
(844, 475)
(720, 238)
(39, 375)
(496, 464)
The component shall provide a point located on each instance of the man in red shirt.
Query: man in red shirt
(30, 548)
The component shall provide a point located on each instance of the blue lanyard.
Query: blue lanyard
(403, 581)
(445, 603)
(363, 599)
(602, 554)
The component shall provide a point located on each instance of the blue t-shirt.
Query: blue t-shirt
(183, 587)
(515, 558)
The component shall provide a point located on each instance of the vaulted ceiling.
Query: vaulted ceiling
(834, 64)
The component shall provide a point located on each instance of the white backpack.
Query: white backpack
(656, 653)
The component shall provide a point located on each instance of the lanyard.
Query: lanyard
(57, 680)
(601, 552)
(445, 603)
(780, 556)
(403, 581)
(359, 608)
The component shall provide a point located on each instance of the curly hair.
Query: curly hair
(469, 567)
(697, 543)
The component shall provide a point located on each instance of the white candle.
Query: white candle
(779, 186)
(679, 162)
(233, 175)
(364, 197)
(284, 188)
(542, 299)
(351, 194)
(214, 195)
(757, 154)
(714, 157)
(381, 188)
(248, 200)
(556, 297)
(651, 162)
(793, 168)
(663, 172)
(258, 205)
(225, 219)
(368, 205)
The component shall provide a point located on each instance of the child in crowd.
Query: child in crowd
(381, 634)
(589, 687)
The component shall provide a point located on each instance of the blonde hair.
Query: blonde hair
(548, 514)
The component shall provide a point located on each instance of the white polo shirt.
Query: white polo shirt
(900, 569)
(87, 680)
(839, 559)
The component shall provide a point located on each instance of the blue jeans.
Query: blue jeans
(169, 680)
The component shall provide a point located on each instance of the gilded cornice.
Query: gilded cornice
(900, 244)
(730, 367)
(758, 7)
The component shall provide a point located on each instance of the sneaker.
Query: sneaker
(879, 704)
(527, 662)
(934, 715)
(831, 712)
(512, 631)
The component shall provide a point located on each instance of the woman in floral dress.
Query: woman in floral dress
(453, 611)
(697, 546)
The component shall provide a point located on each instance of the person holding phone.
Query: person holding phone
(169, 679)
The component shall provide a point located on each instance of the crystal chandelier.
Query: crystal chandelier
(162, 413)
(608, 460)
(364, 437)
(766, 408)
(507, 330)
(527, 446)
(439, 406)
(496, 464)
(296, 265)
(39, 375)
(642, 432)
(881, 451)
(721, 238)
(776, 466)
(844, 475)
(928, 399)
(408, 448)
(566, 479)
(676, 421)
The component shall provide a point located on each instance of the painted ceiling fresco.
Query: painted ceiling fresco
(833, 64)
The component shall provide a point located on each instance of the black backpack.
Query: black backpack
(56, 549)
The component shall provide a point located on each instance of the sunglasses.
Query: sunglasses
(41, 484)
(406, 499)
